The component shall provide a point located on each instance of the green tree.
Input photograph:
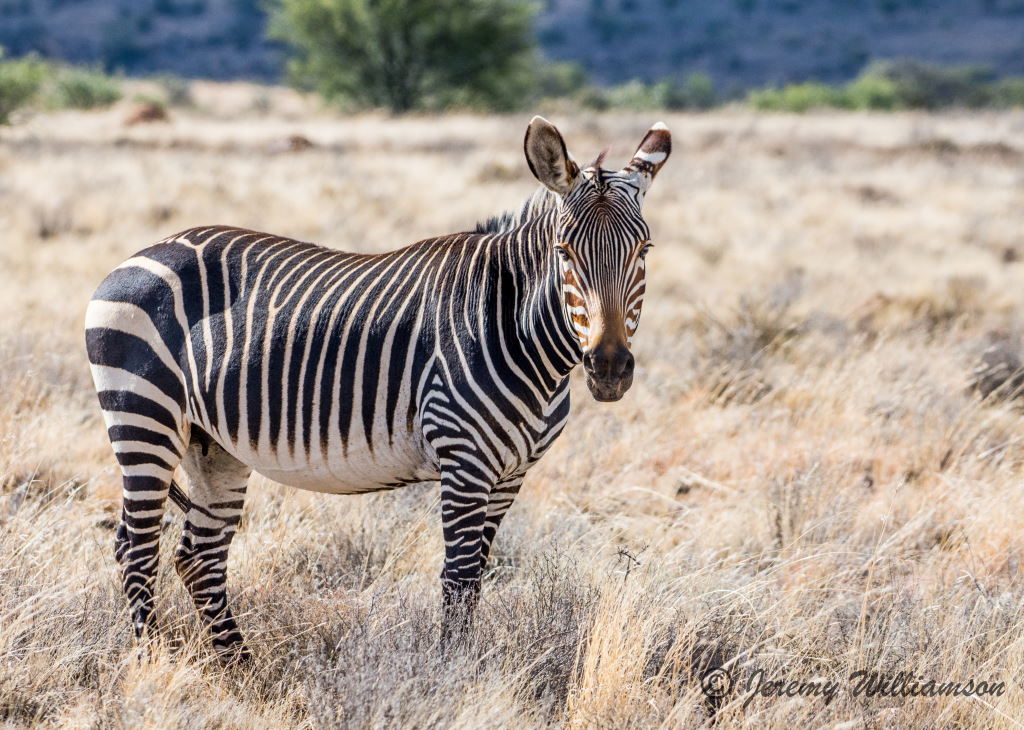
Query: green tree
(410, 54)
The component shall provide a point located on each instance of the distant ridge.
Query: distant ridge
(740, 43)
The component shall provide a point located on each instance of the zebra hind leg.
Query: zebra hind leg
(216, 485)
(146, 469)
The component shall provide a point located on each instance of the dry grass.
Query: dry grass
(800, 481)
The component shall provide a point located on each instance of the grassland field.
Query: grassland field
(802, 479)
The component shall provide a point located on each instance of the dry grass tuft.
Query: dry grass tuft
(999, 374)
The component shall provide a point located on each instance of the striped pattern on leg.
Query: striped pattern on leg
(137, 544)
(217, 486)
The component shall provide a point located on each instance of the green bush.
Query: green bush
(151, 100)
(920, 85)
(560, 79)
(20, 81)
(798, 98)
(1007, 93)
(29, 81)
(899, 84)
(410, 54)
(872, 92)
(694, 91)
(635, 95)
(594, 97)
(75, 88)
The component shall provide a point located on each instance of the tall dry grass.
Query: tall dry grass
(801, 480)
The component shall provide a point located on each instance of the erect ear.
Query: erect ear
(548, 159)
(651, 155)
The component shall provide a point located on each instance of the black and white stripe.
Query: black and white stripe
(224, 351)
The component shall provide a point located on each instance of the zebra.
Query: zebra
(226, 351)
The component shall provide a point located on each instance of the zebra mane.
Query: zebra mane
(542, 201)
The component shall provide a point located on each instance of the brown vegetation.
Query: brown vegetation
(144, 113)
(801, 480)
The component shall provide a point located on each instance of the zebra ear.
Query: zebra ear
(651, 155)
(548, 158)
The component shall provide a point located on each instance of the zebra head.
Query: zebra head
(601, 242)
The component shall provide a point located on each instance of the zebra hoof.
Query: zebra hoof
(238, 659)
(455, 637)
(234, 654)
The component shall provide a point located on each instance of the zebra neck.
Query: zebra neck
(543, 327)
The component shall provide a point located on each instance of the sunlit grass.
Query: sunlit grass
(801, 479)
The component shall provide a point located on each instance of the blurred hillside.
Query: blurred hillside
(740, 43)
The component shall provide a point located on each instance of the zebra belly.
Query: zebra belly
(344, 470)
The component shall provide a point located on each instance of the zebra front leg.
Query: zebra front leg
(498, 504)
(464, 499)
(217, 485)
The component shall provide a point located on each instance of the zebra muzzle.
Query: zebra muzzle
(609, 372)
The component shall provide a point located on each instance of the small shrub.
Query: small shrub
(54, 219)
(19, 83)
(693, 91)
(798, 98)
(149, 100)
(560, 79)
(83, 89)
(872, 92)
(921, 85)
(999, 374)
(634, 95)
(594, 97)
(177, 90)
(145, 111)
(736, 349)
(899, 84)
(1007, 93)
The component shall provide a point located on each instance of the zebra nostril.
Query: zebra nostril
(609, 363)
(627, 364)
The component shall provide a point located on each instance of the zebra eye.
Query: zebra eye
(643, 251)
(563, 254)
